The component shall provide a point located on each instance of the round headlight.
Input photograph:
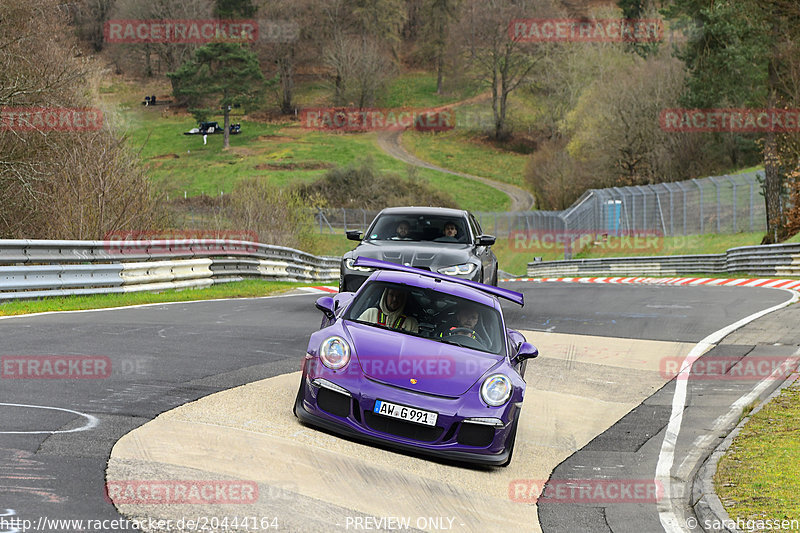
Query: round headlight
(334, 353)
(496, 390)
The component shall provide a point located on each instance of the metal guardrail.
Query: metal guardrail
(40, 268)
(766, 260)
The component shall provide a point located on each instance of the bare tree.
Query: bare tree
(555, 178)
(615, 124)
(358, 68)
(439, 16)
(289, 39)
(500, 62)
(169, 56)
(59, 184)
(90, 17)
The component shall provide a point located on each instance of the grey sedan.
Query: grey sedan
(448, 241)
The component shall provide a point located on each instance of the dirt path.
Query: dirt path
(390, 142)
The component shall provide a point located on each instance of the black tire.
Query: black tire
(299, 397)
(513, 439)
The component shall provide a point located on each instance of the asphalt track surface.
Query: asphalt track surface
(52, 461)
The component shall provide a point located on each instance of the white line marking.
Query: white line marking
(666, 457)
(91, 421)
(733, 413)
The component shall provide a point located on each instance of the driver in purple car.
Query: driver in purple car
(390, 312)
(466, 321)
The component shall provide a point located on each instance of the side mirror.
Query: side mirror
(354, 235)
(486, 240)
(325, 304)
(527, 351)
(516, 338)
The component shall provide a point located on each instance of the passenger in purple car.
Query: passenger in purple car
(390, 312)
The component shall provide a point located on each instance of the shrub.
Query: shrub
(363, 186)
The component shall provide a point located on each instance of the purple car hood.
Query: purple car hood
(418, 364)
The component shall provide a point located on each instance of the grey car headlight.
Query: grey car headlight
(350, 264)
(458, 270)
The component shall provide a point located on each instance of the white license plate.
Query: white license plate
(410, 414)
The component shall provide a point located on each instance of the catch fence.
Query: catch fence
(718, 204)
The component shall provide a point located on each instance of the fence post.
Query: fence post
(733, 183)
(344, 218)
(671, 212)
(752, 204)
(567, 240)
(680, 186)
(719, 214)
(660, 210)
(702, 224)
(644, 207)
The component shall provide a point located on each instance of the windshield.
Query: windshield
(435, 228)
(429, 314)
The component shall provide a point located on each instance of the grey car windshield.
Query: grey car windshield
(433, 228)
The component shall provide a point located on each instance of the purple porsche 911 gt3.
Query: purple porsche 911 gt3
(418, 361)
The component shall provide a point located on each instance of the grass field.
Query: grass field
(239, 289)
(418, 90)
(757, 478)
(459, 150)
(283, 154)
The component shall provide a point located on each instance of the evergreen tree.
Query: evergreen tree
(220, 74)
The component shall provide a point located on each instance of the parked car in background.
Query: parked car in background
(210, 128)
(447, 241)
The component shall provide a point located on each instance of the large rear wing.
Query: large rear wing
(507, 294)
